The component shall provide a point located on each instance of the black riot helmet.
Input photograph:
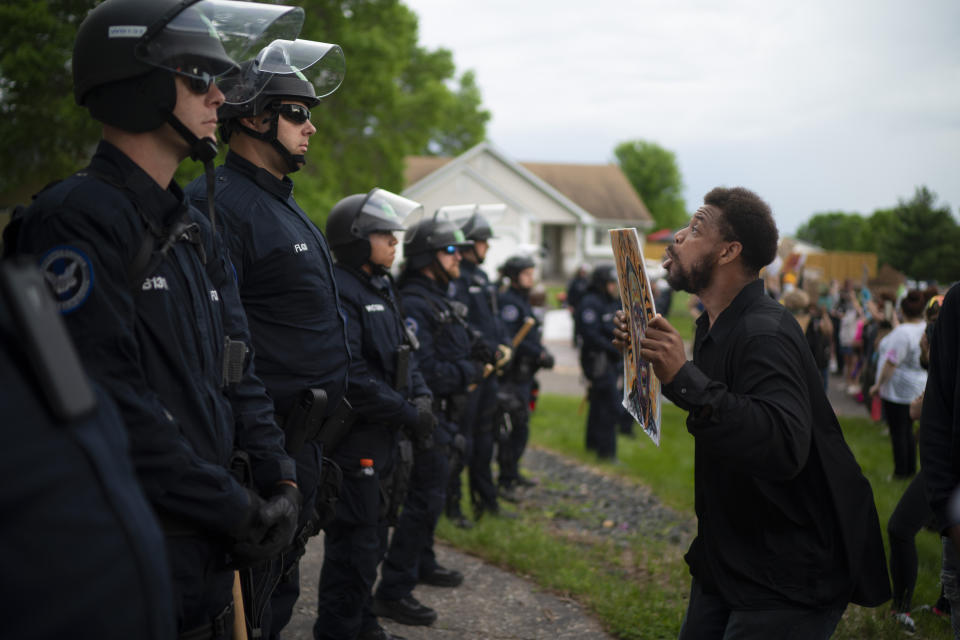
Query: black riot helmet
(602, 275)
(353, 219)
(302, 70)
(127, 51)
(514, 265)
(424, 238)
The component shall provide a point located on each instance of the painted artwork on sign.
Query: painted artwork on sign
(641, 388)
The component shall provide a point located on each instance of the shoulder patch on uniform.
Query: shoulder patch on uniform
(69, 273)
(410, 324)
(510, 313)
(589, 316)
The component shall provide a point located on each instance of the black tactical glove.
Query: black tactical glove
(481, 351)
(419, 434)
(546, 360)
(271, 526)
(426, 421)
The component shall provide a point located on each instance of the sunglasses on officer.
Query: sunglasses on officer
(198, 80)
(295, 113)
(450, 249)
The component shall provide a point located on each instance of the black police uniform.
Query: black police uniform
(602, 365)
(576, 289)
(285, 275)
(444, 361)
(83, 554)
(157, 346)
(473, 288)
(517, 382)
(355, 541)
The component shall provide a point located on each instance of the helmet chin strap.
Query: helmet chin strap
(443, 277)
(204, 150)
(293, 160)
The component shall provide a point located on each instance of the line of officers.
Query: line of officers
(593, 297)
(195, 382)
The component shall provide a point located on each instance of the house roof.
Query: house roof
(417, 167)
(601, 190)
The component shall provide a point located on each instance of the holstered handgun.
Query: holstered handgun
(305, 419)
(335, 428)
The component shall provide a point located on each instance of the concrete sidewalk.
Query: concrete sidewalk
(491, 604)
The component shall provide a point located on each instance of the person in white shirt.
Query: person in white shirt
(900, 379)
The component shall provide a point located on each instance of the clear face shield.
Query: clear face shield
(205, 40)
(475, 220)
(384, 211)
(320, 64)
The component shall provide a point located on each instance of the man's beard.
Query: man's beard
(696, 279)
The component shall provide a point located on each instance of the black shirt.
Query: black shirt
(940, 422)
(285, 273)
(785, 517)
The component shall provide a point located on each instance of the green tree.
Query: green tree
(654, 174)
(922, 239)
(836, 231)
(397, 99)
(44, 133)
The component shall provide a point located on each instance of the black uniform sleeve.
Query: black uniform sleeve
(371, 396)
(596, 337)
(173, 476)
(940, 421)
(763, 421)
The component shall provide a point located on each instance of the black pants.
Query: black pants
(604, 415)
(203, 587)
(510, 452)
(281, 577)
(908, 518)
(411, 550)
(481, 407)
(708, 617)
(901, 437)
(353, 541)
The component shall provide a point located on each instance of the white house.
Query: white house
(565, 209)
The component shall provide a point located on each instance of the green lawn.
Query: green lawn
(640, 591)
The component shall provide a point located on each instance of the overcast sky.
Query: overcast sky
(817, 105)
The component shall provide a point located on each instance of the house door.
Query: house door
(553, 249)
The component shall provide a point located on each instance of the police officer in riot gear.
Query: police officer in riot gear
(390, 401)
(474, 289)
(601, 361)
(517, 381)
(71, 497)
(432, 251)
(285, 275)
(148, 294)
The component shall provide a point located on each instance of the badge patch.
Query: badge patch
(411, 324)
(510, 313)
(69, 273)
(374, 307)
(452, 289)
(589, 316)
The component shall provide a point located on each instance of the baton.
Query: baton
(239, 617)
(528, 323)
